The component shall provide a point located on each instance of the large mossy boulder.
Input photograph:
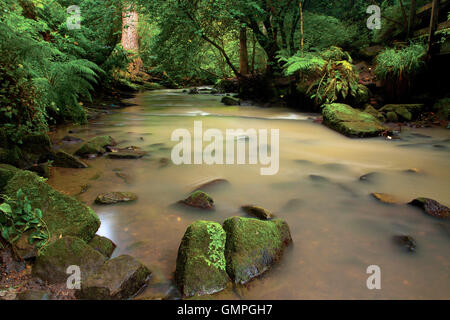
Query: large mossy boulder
(95, 145)
(62, 214)
(403, 112)
(118, 279)
(201, 265)
(53, 261)
(351, 122)
(253, 246)
(377, 114)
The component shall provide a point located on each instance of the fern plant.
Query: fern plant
(330, 74)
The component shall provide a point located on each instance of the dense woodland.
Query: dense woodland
(48, 71)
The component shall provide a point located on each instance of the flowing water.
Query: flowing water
(338, 229)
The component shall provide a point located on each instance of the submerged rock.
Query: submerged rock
(199, 199)
(65, 160)
(258, 212)
(351, 122)
(119, 278)
(115, 197)
(385, 198)
(127, 153)
(230, 101)
(432, 207)
(62, 214)
(253, 246)
(370, 177)
(103, 245)
(406, 241)
(95, 145)
(52, 262)
(201, 264)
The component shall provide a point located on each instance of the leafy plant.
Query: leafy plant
(400, 63)
(330, 74)
(18, 217)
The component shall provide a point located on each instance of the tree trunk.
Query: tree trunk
(433, 26)
(301, 26)
(130, 40)
(244, 52)
(412, 17)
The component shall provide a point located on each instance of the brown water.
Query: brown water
(337, 227)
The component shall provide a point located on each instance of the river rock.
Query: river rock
(62, 214)
(404, 112)
(351, 122)
(385, 198)
(212, 184)
(258, 212)
(230, 101)
(201, 264)
(63, 159)
(118, 279)
(199, 199)
(406, 241)
(127, 153)
(253, 246)
(432, 207)
(103, 245)
(41, 169)
(115, 197)
(52, 262)
(95, 145)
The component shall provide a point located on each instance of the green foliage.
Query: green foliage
(216, 246)
(330, 74)
(18, 217)
(400, 63)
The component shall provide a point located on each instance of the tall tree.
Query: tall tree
(130, 39)
(243, 51)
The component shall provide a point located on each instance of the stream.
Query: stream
(338, 228)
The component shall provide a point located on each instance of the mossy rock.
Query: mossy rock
(95, 145)
(118, 279)
(391, 116)
(6, 173)
(406, 112)
(36, 143)
(65, 160)
(229, 101)
(103, 245)
(199, 199)
(52, 262)
(374, 112)
(432, 207)
(351, 122)
(41, 169)
(115, 197)
(253, 246)
(63, 215)
(201, 265)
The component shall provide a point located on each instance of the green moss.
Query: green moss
(442, 108)
(6, 174)
(351, 122)
(199, 199)
(253, 246)
(201, 261)
(95, 145)
(103, 245)
(63, 215)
